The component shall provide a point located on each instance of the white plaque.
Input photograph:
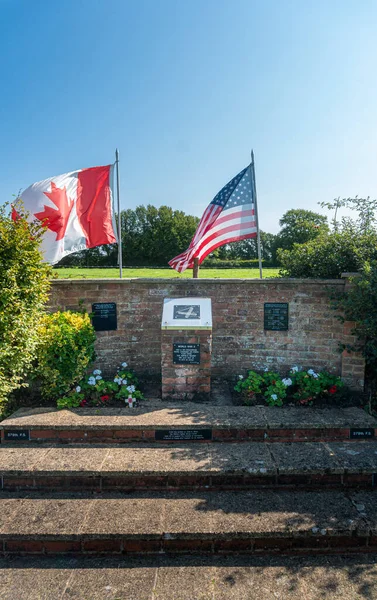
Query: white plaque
(187, 313)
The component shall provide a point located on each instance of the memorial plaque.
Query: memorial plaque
(16, 435)
(276, 316)
(183, 435)
(186, 354)
(186, 311)
(104, 316)
(361, 434)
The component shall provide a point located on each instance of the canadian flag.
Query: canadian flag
(75, 207)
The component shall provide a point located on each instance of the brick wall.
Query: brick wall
(239, 339)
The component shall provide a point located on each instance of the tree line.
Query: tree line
(152, 236)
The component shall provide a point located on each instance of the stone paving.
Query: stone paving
(189, 578)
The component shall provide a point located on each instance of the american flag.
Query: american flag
(228, 218)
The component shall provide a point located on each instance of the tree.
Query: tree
(347, 248)
(24, 283)
(299, 226)
(247, 249)
(153, 236)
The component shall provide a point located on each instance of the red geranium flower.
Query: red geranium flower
(333, 389)
(83, 402)
(104, 398)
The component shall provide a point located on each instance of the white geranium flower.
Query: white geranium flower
(124, 365)
(240, 376)
(274, 396)
(97, 372)
(131, 389)
(315, 375)
(287, 381)
(78, 389)
(294, 369)
(98, 377)
(91, 381)
(266, 369)
(117, 380)
(124, 381)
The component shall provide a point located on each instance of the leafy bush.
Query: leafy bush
(328, 256)
(303, 387)
(236, 263)
(96, 391)
(24, 283)
(64, 352)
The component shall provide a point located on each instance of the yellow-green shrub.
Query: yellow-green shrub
(24, 283)
(64, 352)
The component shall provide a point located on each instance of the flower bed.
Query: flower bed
(94, 390)
(299, 387)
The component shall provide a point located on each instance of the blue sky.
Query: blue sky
(185, 89)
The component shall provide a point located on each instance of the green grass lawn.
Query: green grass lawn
(82, 273)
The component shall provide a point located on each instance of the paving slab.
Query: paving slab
(190, 578)
(63, 460)
(154, 459)
(313, 457)
(355, 457)
(237, 458)
(21, 459)
(155, 414)
(135, 514)
(46, 514)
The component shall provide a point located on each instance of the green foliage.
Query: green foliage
(329, 256)
(359, 304)
(299, 226)
(24, 283)
(302, 387)
(64, 352)
(94, 390)
(352, 242)
(215, 263)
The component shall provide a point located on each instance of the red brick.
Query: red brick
(255, 434)
(224, 434)
(356, 479)
(347, 541)
(102, 545)
(24, 546)
(43, 434)
(285, 434)
(135, 434)
(308, 434)
(233, 545)
(183, 545)
(272, 543)
(141, 546)
(188, 481)
(149, 434)
(57, 546)
(72, 434)
(10, 482)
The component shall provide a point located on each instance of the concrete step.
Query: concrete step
(156, 421)
(201, 522)
(308, 465)
(189, 578)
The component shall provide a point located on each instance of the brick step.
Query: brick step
(201, 522)
(215, 577)
(204, 466)
(156, 421)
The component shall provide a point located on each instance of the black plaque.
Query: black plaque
(104, 316)
(183, 435)
(186, 311)
(16, 435)
(361, 434)
(276, 316)
(186, 354)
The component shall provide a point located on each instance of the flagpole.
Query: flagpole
(119, 215)
(252, 167)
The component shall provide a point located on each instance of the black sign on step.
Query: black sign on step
(186, 354)
(183, 435)
(361, 434)
(104, 316)
(16, 435)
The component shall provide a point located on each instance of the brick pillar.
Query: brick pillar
(186, 381)
(353, 363)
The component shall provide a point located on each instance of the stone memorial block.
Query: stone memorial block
(186, 345)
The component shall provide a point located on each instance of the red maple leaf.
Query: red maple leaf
(56, 219)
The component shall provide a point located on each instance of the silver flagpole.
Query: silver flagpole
(252, 168)
(119, 216)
